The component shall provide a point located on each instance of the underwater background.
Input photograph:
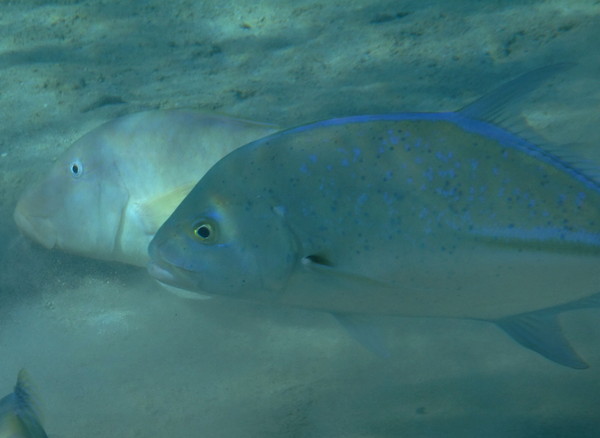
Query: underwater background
(112, 354)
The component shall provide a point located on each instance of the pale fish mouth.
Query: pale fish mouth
(37, 228)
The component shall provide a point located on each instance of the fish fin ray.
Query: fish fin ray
(541, 332)
(365, 332)
(493, 106)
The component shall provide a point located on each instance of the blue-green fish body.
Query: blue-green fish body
(413, 214)
(18, 416)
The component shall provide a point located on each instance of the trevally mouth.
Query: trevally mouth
(169, 274)
(160, 274)
(174, 284)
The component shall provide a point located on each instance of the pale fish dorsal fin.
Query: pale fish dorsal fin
(153, 212)
(541, 332)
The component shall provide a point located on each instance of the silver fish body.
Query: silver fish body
(412, 214)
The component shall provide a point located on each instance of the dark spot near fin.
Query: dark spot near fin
(103, 101)
(318, 259)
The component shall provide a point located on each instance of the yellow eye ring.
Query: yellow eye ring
(204, 232)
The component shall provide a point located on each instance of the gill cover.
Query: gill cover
(218, 253)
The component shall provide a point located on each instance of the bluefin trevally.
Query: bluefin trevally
(18, 412)
(108, 193)
(410, 214)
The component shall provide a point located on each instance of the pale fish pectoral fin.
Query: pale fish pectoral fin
(541, 332)
(154, 212)
(365, 331)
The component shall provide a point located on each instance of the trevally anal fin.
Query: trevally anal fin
(540, 331)
(365, 331)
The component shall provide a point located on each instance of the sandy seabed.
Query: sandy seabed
(113, 355)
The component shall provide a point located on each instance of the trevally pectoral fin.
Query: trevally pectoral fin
(541, 332)
(323, 266)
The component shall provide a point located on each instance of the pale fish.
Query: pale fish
(18, 412)
(410, 214)
(106, 196)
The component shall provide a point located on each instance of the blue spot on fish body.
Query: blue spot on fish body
(443, 157)
(561, 199)
(580, 198)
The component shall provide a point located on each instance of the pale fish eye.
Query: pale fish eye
(76, 168)
(204, 232)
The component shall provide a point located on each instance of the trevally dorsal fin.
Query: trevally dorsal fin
(498, 108)
(492, 107)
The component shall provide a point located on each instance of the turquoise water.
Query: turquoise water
(113, 355)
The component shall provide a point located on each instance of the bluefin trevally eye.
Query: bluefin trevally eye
(76, 168)
(204, 231)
